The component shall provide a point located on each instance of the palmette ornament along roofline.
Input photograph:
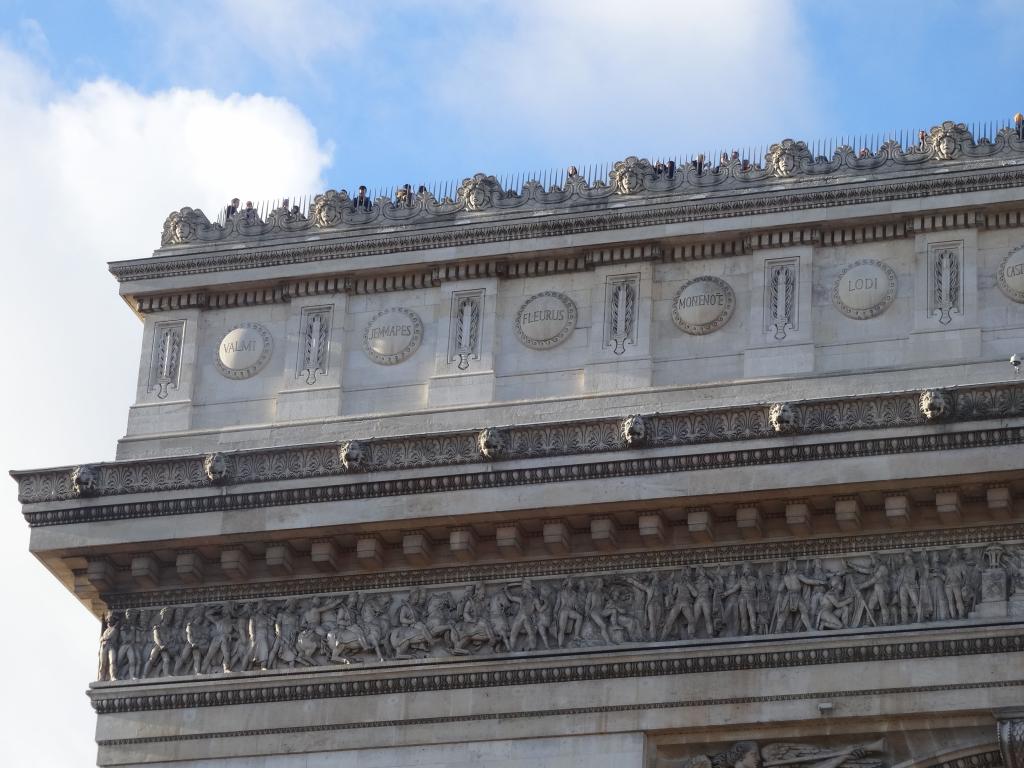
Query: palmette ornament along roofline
(787, 162)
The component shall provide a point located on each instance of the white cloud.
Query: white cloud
(218, 41)
(642, 76)
(88, 177)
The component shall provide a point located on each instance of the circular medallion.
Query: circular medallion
(864, 289)
(703, 305)
(244, 351)
(545, 320)
(1011, 274)
(393, 335)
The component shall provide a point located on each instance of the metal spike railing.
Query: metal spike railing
(751, 156)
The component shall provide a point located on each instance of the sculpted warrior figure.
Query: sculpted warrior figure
(956, 576)
(744, 587)
(259, 637)
(525, 615)
(793, 606)
(748, 754)
(133, 639)
(498, 610)
(702, 590)
(594, 608)
(834, 611)
(109, 647)
(221, 623)
(286, 632)
(936, 588)
(908, 589)
(680, 603)
(160, 653)
(197, 641)
(438, 621)
(473, 626)
(878, 583)
(545, 620)
(565, 609)
(653, 600)
(411, 631)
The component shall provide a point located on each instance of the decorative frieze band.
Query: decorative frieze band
(686, 428)
(113, 699)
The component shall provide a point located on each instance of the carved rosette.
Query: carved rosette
(948, 140)
(782, 418)
(327, 208)
(629, 175)
(479, 192)
(217, 468)
(352, 455)
(183, 226)
(85, 480)
(787, 158)
(936, 404)
(635, 431)
(491, 442)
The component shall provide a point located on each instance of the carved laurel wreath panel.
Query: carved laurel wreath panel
(538, 441)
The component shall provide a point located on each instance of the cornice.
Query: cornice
(538, 441)
(653, 211)
(711, 555)
(114, 698)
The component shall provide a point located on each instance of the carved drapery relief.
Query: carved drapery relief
(780, 296)
(688, 603)
(945, 286)
(165, 360)
(314, 343)
(621, 308)
(465, 328)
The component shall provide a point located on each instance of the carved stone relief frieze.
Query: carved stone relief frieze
(703, 305)
(314, 343)
(864, 289)
(621, 309)
(165, 359)
(945, 284)
(393, 335)
(1011, 274)
(244, 351)
(781, 295)
(465, 328)
(690, 603)
(545, 320)
(749, 754)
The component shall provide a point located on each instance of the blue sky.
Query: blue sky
(113, 114)
(423, 91)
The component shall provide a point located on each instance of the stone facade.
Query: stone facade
(712, 467)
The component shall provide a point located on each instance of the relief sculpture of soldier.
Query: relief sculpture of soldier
(749, 754)
(689, 603)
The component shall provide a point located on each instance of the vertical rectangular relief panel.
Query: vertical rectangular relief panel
(314, 343)
(165, 360)
(945, 280)
(781, 296)
(465, 328)
(621, 307)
